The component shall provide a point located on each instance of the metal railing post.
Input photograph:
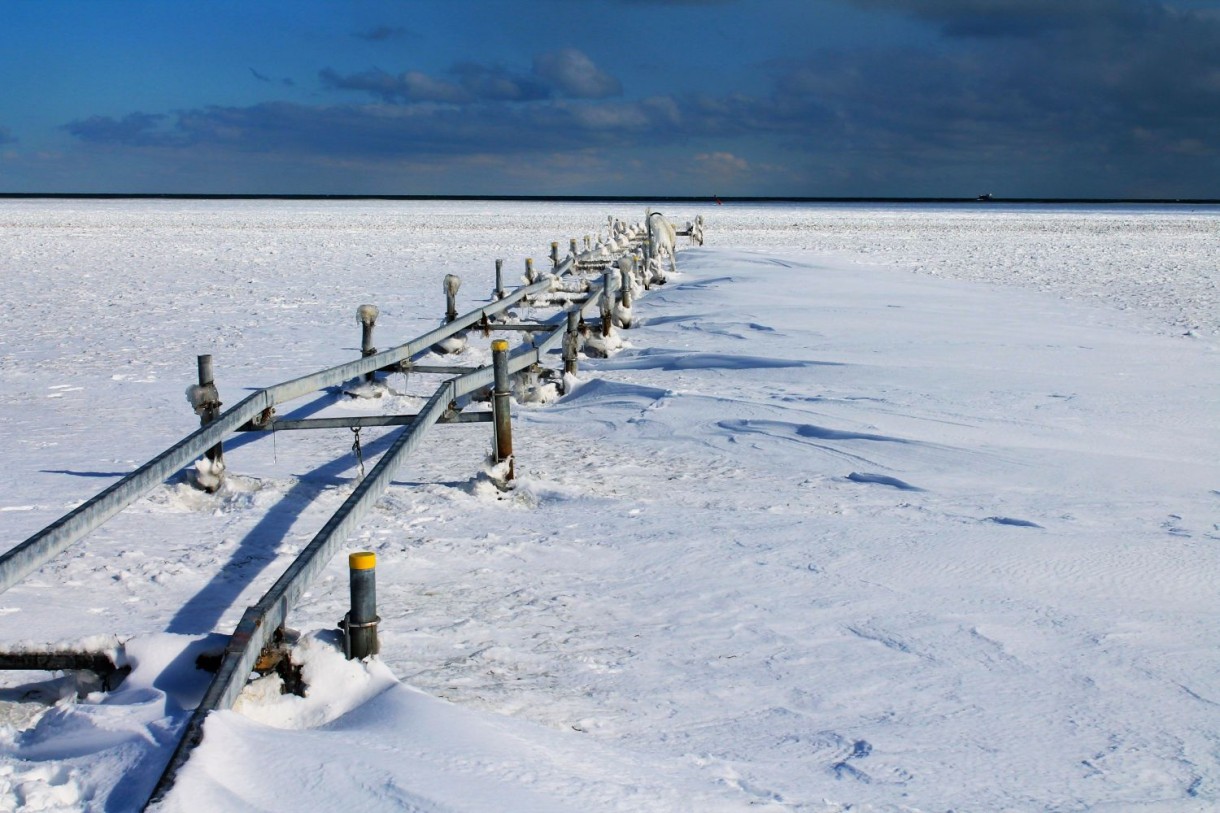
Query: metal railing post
(209, 410)
(607, 304)
(624, 291)
(502, 418)
(367, 314)
(571, 342)
(452, 283)
(360, 623)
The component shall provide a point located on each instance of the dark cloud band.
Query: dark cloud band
(1114, 97)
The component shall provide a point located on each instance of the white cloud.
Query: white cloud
(575, 75)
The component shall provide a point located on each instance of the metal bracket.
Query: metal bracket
(346, 627)
(439, 369)
(528, 326)
(264, 419)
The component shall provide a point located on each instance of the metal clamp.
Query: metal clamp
(347, 626)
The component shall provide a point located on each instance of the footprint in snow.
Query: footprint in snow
(843, 770)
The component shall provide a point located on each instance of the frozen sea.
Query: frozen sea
(891, 508)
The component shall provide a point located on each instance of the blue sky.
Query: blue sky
(1021, 98)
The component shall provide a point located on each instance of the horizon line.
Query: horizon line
(711, 199)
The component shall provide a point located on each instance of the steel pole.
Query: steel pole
(502, 419)
(367, 314)
(571, 342)
(209, 413)
(360, 624)
(607, 304)
(452, 283)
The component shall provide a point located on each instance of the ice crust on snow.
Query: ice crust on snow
(904, 508)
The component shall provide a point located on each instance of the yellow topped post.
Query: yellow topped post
(360, 623)
(501, 416)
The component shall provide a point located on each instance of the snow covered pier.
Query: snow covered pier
(572, 288)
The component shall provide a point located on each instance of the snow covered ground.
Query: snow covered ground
(881, 508)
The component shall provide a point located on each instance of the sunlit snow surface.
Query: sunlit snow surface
(880, 508)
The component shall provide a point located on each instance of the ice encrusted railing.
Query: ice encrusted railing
(262, 621)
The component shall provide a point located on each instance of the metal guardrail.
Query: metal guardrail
(260, 622)
(24, 558)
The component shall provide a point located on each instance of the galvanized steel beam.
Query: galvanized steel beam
(354, 422)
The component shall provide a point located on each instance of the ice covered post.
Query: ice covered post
(624, 273)
(501, 416)
(205, 400)
(529, 271)
(572, 246)
(499, 279)
(607, 302)
(367, 314)
(360, 623)
(554, 255)
(641, 259)
(571, 342)
(452, 283)
(649, 251)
